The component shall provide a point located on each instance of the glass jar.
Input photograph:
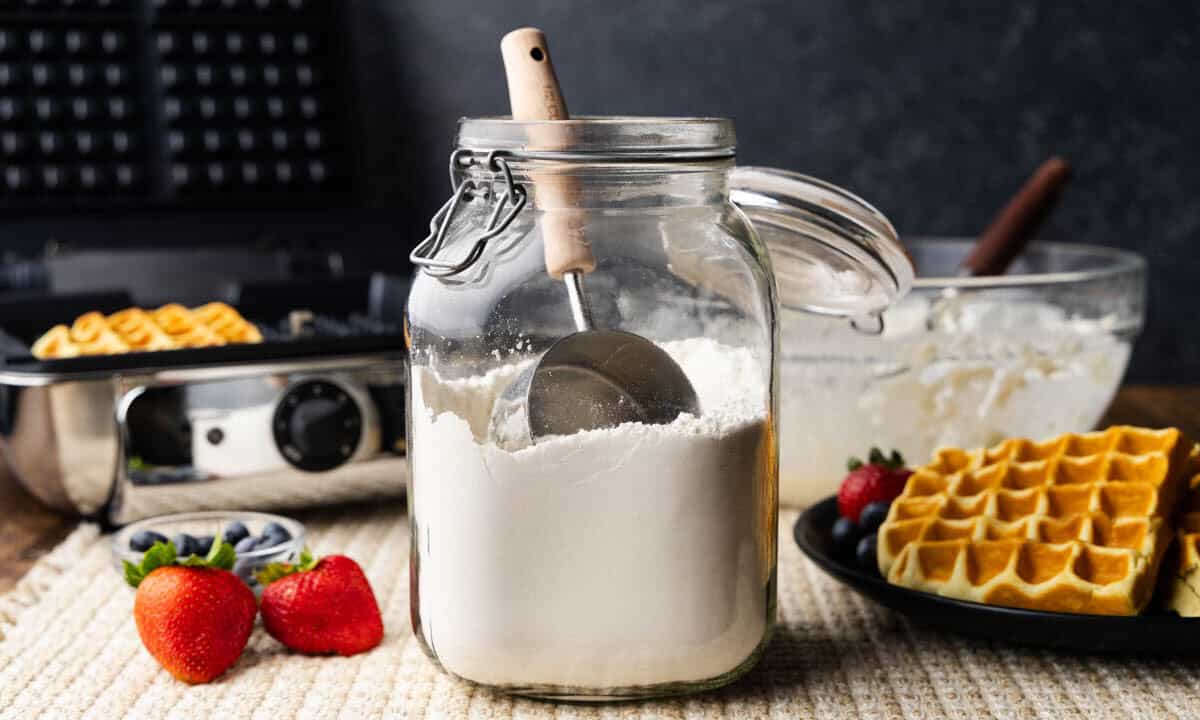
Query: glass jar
(638, 559)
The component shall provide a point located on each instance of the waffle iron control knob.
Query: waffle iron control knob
(317, 425)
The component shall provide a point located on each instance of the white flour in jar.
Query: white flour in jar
(629, 556)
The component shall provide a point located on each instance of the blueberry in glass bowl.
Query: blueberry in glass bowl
(258, 538)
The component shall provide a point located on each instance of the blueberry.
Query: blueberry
(184, 545)
(275, 530)
(204, 543)
(245, 545)
(235, 531)
(845, 535)
(865, 552)
(269, 541)
(873, 515)
(143, 540)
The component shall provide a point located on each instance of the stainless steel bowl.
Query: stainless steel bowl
(960, 361)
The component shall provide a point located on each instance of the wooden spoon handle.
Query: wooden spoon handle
(534, 94)
(1019, 221)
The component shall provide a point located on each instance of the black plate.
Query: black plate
(1154, 632)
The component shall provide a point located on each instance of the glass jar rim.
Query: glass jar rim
(596, 137)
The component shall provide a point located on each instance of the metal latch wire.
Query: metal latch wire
(508, 206)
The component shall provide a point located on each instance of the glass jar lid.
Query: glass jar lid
(832, 252)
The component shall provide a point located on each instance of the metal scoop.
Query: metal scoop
(592, 378)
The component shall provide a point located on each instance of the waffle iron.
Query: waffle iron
(312, 415)
(167, 148)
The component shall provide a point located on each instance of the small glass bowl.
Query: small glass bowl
(213, 523)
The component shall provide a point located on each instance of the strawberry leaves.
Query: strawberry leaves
(895, 461)
(159, 555)
(221, 555)
(275, 571)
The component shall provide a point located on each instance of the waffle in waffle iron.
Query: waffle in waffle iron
(169, 327)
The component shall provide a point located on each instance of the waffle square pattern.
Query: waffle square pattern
(1184, 594)
(170, 327)
(1077, 523)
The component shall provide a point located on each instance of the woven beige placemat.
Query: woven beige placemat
(70, 650)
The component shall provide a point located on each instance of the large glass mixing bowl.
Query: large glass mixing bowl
(961, 361)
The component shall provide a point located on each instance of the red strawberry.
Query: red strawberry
(881, 479)
(321, 607)
(195, 617)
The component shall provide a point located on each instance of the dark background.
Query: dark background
(933, 110)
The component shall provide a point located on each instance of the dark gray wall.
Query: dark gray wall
(934, 110)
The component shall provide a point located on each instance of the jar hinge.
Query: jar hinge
(509, 204)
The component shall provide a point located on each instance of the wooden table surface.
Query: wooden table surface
(28, 530)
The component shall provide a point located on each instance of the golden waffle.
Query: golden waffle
(136, 330)
(184, 328)
(1183, 586)
(1077, 523)
(226, 322)
(92, 336)
(56, 343)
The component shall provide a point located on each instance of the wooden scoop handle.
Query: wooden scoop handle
(533, 90)
(534, 94)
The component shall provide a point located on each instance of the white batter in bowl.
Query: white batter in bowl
(961, 361)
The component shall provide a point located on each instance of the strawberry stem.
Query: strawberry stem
(895, 461)
(221, 555)
(275, 571)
